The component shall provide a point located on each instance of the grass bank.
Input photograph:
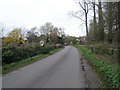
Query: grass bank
(16, 65)
(108, 73)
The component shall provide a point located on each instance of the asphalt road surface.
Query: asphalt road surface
(60, 70)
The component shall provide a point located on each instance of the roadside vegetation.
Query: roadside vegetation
(16, 65)
(12, 53)
(21, 47)
(107, 72)
(102, 41)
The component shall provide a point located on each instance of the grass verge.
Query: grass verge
(16, 65)
(108, 73)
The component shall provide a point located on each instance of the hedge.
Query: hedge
(12, 53)
(104, 49)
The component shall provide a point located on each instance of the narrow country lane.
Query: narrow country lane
(60, 70)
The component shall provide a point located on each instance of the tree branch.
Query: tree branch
(77, 17)
(82, 6)
(87, 8)
(97, 5)
(82, 24)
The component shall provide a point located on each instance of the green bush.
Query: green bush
(12, 53)
(8, 54)
(104, 49)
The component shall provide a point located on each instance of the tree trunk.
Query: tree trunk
(110, 22)
(101, 24)
(119, 34)
(86, 24)
(95, 23)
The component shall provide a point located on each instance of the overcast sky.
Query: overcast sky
(30, 13)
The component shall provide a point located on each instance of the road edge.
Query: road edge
(92, 79)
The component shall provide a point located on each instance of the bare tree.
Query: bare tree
(46, 29)
(94, 19)
(85, 8)
(100, 22)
